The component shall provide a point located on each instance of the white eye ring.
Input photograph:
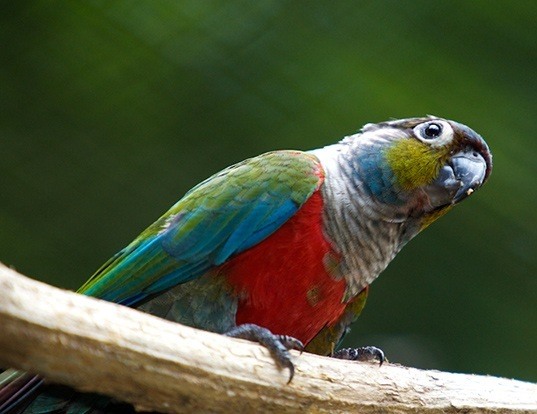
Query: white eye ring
(436, 133)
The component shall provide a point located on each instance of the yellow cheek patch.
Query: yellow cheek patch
(414, 163)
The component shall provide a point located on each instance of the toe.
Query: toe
(365, 353)
(290, 342)
(278, 345)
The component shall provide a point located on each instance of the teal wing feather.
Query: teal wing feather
(221, 217)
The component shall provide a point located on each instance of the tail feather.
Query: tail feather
(17, 389)
(24, 393)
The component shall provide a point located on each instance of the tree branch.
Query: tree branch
(162, 366)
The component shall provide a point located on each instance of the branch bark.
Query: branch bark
(157, 365)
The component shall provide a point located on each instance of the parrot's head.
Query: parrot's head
(423, 165)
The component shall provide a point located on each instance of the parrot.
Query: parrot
(281, 248)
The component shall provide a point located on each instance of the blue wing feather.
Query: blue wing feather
(223, 216)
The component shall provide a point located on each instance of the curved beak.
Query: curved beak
(469, 170)
(463, 174)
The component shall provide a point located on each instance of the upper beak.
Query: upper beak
(461, 176)
(469, 170)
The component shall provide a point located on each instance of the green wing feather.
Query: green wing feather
(222, 216)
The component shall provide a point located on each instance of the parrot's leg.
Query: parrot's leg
(278, 345)
(365, 353)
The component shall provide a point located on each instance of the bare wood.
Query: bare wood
(157, 365)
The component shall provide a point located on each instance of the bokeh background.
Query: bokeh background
(111, 109)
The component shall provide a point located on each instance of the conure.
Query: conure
(281, 248)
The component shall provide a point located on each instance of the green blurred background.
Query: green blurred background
(111, 110)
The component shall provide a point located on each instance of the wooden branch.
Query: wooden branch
(161, 366)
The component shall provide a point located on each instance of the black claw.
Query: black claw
(290, 342)
(278, 345)
(365, 353)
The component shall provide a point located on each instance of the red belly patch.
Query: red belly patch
(283, 283)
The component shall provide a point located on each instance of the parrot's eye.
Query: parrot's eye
(436, 133)
(432, 130)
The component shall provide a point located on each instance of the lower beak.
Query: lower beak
(469, 170)
(460, 177)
